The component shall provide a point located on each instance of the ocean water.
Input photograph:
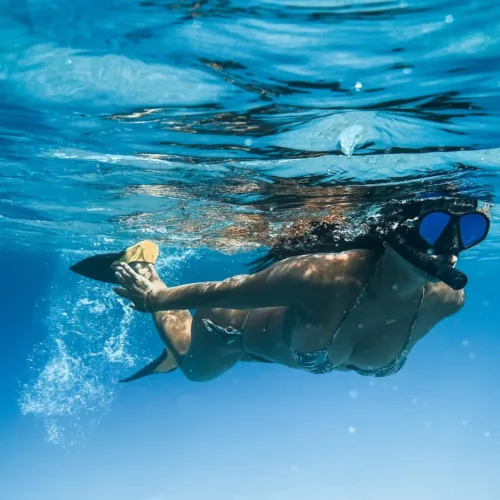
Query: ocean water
(207, 125)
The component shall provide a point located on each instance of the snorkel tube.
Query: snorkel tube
(443, 272)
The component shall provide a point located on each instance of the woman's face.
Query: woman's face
(432, 241)
(437, 232)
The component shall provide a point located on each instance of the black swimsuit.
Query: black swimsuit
(318, 361)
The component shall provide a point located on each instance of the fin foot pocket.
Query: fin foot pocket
(98, 267)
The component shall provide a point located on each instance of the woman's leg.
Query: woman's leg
(200, 354)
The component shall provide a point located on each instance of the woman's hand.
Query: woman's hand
(136, 288)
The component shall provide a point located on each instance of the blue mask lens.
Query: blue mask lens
(473, 229)
(432, 226)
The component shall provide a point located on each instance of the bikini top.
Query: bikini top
(319, 362)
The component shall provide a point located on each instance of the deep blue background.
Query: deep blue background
(260, 431)
(122, 120)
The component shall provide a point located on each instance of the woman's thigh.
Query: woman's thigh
(209, 354)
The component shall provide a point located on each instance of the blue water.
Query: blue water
(206, 126)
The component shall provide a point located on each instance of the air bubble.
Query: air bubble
(75, 370)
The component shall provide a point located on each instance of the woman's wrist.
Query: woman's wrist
(147, 301)
(151, 301)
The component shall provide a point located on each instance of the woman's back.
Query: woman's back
(361, 313)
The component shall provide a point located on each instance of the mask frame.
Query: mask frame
(446, 232)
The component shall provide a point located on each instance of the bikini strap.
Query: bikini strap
(355, 303)
(404, 350)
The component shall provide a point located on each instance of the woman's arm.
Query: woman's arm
(290, 282)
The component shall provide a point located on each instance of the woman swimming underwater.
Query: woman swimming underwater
(333, 298)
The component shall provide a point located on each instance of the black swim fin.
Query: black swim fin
(165, 363)
(98, 267)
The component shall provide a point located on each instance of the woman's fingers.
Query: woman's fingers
(126, 270)
(122, 292)
(127, 277)
(129, 272)
(124, 277)
(136, 303)
(121, 278)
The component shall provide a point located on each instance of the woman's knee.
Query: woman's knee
(209, 356)
(206, 368)
(195, 376)
(200, 374)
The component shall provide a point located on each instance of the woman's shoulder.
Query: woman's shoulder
(333, 278)
(333, 270)
(348, 260)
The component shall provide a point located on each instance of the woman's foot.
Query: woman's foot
(100, 267)
(146, 270)
(135, 271)
(141, 257)
(144, 251)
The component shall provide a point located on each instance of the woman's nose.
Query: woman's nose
(454, 241)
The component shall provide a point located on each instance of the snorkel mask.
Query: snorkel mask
(441, 232)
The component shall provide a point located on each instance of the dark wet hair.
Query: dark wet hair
(363, 232)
